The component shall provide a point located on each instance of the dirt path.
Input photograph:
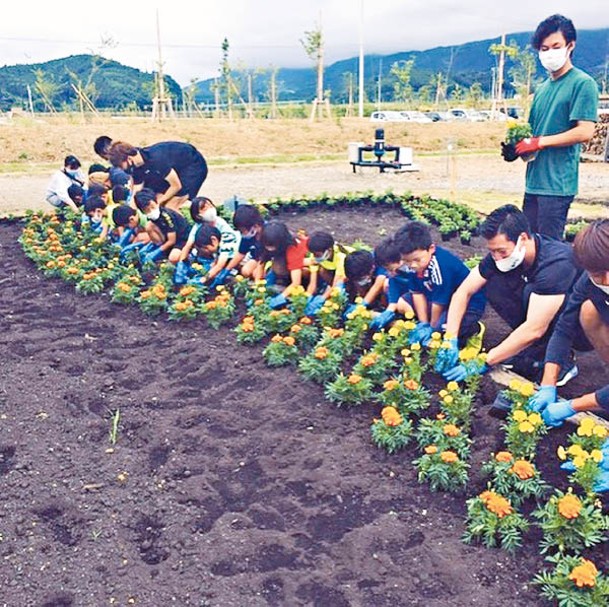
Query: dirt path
(481, 180)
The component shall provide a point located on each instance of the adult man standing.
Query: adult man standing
(562, 117)
(173, 170)
(527, 277)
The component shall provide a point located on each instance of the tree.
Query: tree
(522, 75)
(501, 50)
(457, 93)
(475, 94)
(226, 86)
(46, 88)
(401, 70)
(313, 44)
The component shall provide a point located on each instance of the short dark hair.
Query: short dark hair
(121, 214)
(204, 235)
(97, 168)
(246, 217)
(413, 236)
(76, 193)
(276, 234)
(195, 207)
(102, 144)
(71, 161)
(591, 247)
(143, 198)
(551, 25)
(359, 264)
(93, 203)
(320, 241)
(387, 252)
(97, 189)
(508, 220)
(120, 193)
(120, 151)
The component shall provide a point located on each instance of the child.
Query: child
(438, 274)
(121, 194)
(76, 194)
(131, 219)
(327, 269)
(61, 180)
(209, 250)
(95, 210)
(399, 282)
(168, 229)
(248, 221)
(363, 279)
(285, 254)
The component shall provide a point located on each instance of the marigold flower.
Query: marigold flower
(523, 469)
(436, 336)
(334, 333)
(526, 427)
(295, 329)
(289, 340)
(596, 455)
(305, 320)
(535, 419)
(527, 389)
(562, 453)
(485, 496)
(276, 339)
(452, 386)
(409, 315)
(569, 506)
(580, 460)
(394, 332)
(391, 416)
(515, 385)
(411, 384)
(499, 505)
(575, 450)
(504, 456)
(121, 286)
(600, 431)
(405, 352)
(409, 325)
(443, 393)
(321, 353)
(354, 379)
(258, 302)
(448, 400)
(449, 457)
(451, 430)
(391, 384)
(440, 416)
(586, 427)
(377, 337)
(186, 291)
(431, 449)
(415, 347)
(519, 415)
(211, 305)
(584, 574)
(145, 294)
(369, 360)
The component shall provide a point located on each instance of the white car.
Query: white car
(414, 116)
(465, 115)
(387, 116)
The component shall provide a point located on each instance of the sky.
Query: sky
(262, 33)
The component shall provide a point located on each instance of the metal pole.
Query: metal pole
(361, 62)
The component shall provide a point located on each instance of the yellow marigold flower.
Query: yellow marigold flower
(409, 325)
(409, 315)
(452, 386)
(443, 393)
(519, 415)
(415, 347)
(527, 389)
(597, 455)
(436, 336)
(575, 450)
(354, 379)
(407, 361)
(434, 344)
(448, 400)
(498, 505)
(451, 430)
(523, 469)
(569, 506)
(405, 352)
(535, 419)
(562, 453)
(449, 457)
(584, 574)
(440, 416)
(515, 385)
(579, 461)
(600, 431)
(394, 332)
(504, 456)
(391, 384)
(526, 427)
(586, 427)
(431, 449)
(377, 337)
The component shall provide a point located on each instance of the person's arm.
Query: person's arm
(296, 281)
(541, 311)
(172, 238)
(313, 280)
(375, 290)
(458, 304)
(218, 266)
(583, 131)
(175, 185)
(190, 241)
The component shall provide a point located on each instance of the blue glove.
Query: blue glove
(568, 466)
(219, 279)
(125, 238)
(180, 274)
(545, 395)
(384, 318)
(605, 451)
(314, 305)
(602, 482)
(422, 332)
(278, 301)
(130, 247)
(465, 370)
(153, 255)
(447, 358)
(555, 413)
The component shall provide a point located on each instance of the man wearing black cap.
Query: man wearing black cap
(61, 180)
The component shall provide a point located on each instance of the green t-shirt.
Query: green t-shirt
(557, 107)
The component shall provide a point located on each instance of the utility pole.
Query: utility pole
(360, 112)
(379, 85)
(161, 103)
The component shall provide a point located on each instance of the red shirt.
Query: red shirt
(295, 254)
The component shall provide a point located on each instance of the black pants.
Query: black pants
(547, 214)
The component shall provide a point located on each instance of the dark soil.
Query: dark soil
(231, 484)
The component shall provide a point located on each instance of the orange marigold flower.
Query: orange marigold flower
(504, 456)
(391, 416)
(354, 379)
(449, 457)
(335, 332)
(411, 384)
(431, 449)
(296, 329)
(485, 496)
(368, 360)
(305, 320)
(258, 302)
(451, 430)
(247, 328)
(289, 340)
(276, 339)
(187, 290)
(523, 469)
(391, 384)
(321, 353)
(145, 294)
(499, 505)
(211, 305)
(569, 506)
(584, 574)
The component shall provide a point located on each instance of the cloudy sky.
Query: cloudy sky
(262, 33)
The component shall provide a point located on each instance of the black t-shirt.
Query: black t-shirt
(172, 221)
(160, 159)
(552, 273)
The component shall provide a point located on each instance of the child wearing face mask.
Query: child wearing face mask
(95, 210)
(364, 280)
(168, 229)
(249, 223)
(57, 189)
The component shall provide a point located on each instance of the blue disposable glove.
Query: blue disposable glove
(569, 466)
(278, 301)
(180, 275)
(602, 482)
(383, 319)
(125, 238)
(465, 370)
(555, 413)
(544, 396)
(447, 357)
(421, 333)
(130, 247)
(314, 305)
(153, 255)
(219, 279)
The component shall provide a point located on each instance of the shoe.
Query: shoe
(567, 374)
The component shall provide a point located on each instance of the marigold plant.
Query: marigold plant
(349, 390)
(445, 435)
(442, 468)
(281, 351)
(523, 431)
(392, 432)
(320, 365)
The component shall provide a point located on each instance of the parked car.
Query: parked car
(387, 116)
(466, 115)
(415, 116)
(513, 112)
(488, 115)
(436, 116)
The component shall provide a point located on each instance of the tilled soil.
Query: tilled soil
(231, 484)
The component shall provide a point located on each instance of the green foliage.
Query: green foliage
(349, 390)
(443, 470)
(389, 435)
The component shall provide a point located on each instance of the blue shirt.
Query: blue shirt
(252, 245)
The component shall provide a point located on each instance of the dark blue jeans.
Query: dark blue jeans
(547, 214)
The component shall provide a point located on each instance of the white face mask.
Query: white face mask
(404, 268)
(72, 172)
(554, 58)
(507, 264)
(324, 257)
(603, 288)
(154, 215)
(363, 282)
(250, 234)
(210, 215)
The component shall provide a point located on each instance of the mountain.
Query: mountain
(463, 64)
(107, 83)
